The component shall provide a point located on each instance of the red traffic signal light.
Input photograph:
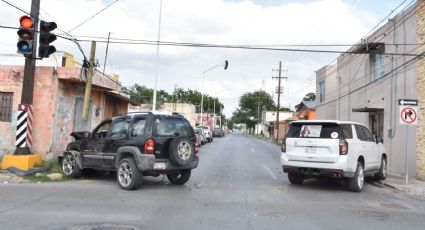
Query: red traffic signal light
(26, 22)
(26, 35)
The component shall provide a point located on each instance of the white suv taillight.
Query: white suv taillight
(343, 147)
(283, 146)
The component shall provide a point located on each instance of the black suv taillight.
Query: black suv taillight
(343, 147)
(149, 146)
(283, 146)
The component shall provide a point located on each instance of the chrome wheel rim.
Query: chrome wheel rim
(68, 164)
(125, 174)
(184, 149)
(360, 177)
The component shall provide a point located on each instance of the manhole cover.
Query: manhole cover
(270, 215)
(104, 227)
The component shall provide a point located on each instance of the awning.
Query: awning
(368, 110)
(121, 97)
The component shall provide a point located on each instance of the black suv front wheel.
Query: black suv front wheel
(128, 175)
(179, 178)
(70, 167)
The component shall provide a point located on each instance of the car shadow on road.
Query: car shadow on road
(328, 184)
(148, 182)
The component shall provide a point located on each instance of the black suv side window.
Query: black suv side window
(138, 127)
(102, 129)
(169, 126)
(120, 127)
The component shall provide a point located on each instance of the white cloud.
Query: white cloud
(206, 21)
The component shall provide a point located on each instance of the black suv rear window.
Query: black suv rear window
(170, 126)
(314, 130)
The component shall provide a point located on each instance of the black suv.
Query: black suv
(135, 145)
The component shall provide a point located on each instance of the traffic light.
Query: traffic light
(26, 35)
(44, 48)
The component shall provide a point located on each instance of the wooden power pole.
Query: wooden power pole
(278, 98)
(90, 73)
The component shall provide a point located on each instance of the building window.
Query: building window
(6, 102)
(377, 66)
(322, 91)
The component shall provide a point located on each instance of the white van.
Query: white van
(336, 149)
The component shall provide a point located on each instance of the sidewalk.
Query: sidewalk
(6, 177)
(414, 187)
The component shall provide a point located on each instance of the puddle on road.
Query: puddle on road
(103, 227)
(394, 206)
(271, 214)
(378, 215)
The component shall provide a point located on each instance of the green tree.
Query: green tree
(194, 97)
(251, 105)
(309, 97)
(140, 94)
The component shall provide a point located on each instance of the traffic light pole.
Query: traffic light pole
(29, 71)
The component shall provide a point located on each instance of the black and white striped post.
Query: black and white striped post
(24, 129)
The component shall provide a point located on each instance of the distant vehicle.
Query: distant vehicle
(217, 132)
(207, 132)
(135, 145)
(202, 137)
(335, 149)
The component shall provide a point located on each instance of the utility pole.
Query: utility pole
(28, 83)
(174, 99)
(87, 93)
(157, 58)
(278, 98)
(106, 54)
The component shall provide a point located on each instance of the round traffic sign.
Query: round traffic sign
(408, 115)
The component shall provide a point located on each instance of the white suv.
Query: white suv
(336, 149)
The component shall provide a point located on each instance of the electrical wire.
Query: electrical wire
(15, 6)
(91, 17)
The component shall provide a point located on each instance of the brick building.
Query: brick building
(57, 105)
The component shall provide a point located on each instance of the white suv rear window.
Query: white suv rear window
(314, 130)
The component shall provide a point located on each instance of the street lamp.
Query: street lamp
(226, 64)
(157, 58)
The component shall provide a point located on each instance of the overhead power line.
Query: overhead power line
(16, 7)
(91, 17)
(203, 45)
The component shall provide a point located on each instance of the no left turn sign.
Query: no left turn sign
(408, 115)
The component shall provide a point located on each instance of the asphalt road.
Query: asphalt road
(238, 185)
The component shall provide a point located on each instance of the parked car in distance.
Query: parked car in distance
(207, 132)
(198, 138)
(135, 145)
(217, 132)
(202, 135)
(336, 149)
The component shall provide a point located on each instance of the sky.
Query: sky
(224, 22)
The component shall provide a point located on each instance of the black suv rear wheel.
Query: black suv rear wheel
(128, 175)
(181, 151)
(179, 178)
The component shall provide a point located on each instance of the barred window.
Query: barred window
(6, 102)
